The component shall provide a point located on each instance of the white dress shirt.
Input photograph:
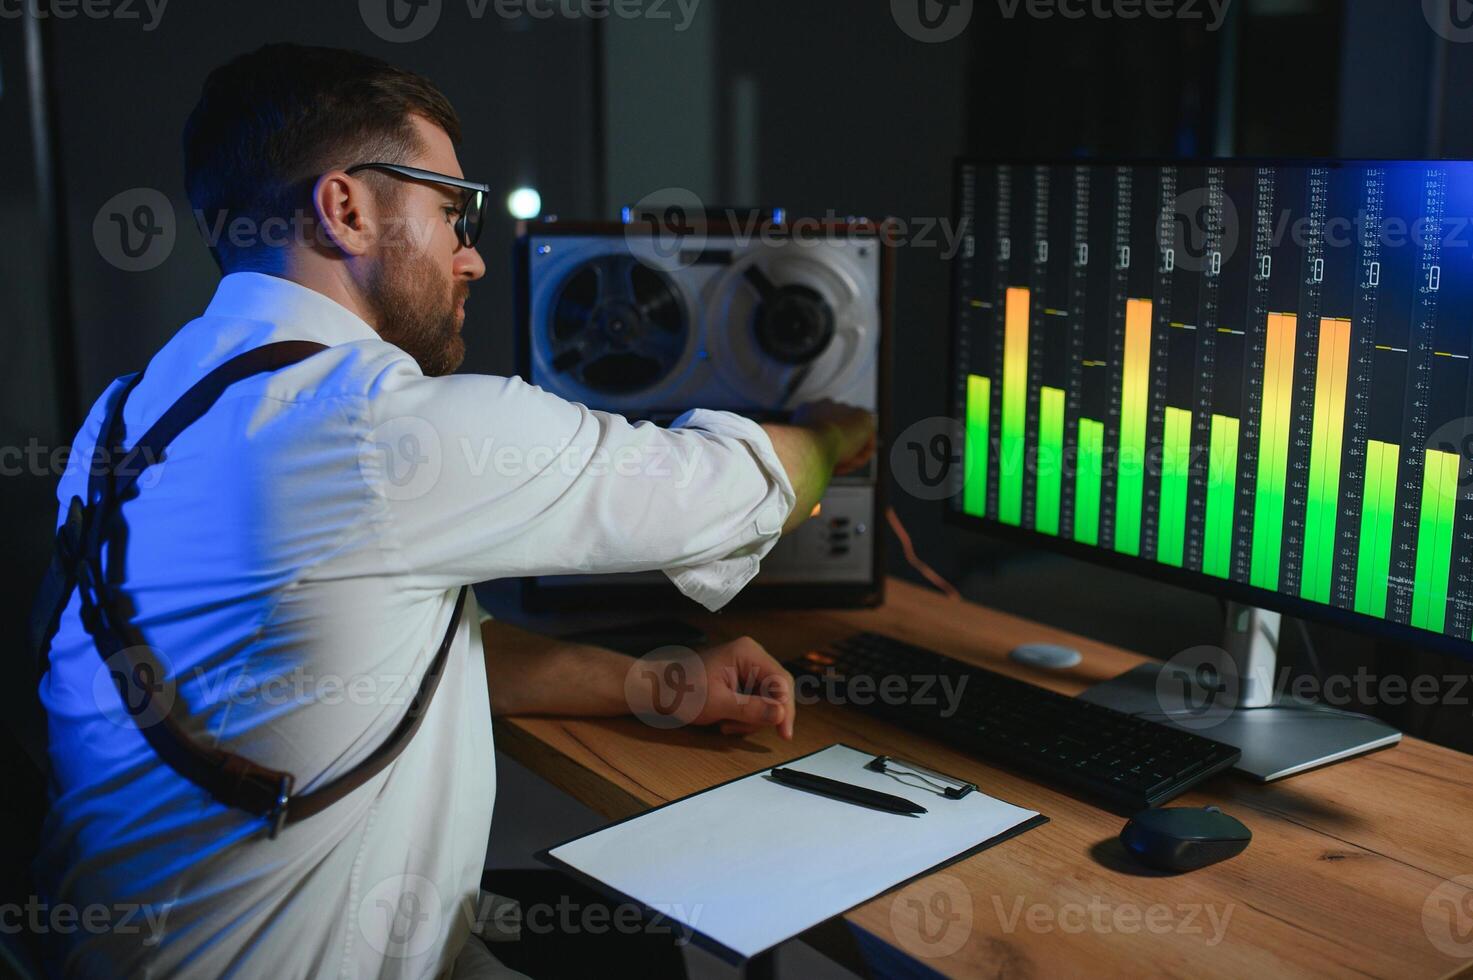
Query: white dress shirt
(293, 562)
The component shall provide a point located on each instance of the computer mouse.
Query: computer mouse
(1184, 838)
(1048, 655)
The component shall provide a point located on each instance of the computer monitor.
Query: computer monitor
(1248, 378)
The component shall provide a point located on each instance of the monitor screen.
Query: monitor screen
(1250, 378)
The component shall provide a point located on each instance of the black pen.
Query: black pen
(846, 792)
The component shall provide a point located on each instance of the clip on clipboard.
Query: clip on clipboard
(938, 782)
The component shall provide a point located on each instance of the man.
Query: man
(294, 558)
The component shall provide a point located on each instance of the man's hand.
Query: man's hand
(736, 686)
(852, 431)
(746, 690)
(824, 439)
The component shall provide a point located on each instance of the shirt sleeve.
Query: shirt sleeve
(474, 477)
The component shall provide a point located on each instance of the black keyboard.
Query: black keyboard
(1124, 762)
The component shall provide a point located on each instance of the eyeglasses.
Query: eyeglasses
(472, 209)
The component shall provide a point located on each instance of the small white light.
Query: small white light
(524, 203)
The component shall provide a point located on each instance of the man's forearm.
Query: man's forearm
(808, 456)
(531, 674)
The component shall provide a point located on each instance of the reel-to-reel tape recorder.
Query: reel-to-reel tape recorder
(754, 317)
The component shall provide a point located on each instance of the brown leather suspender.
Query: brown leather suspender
(77, 563)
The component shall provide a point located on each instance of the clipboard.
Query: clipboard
(720, 862)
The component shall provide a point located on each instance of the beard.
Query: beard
(416, 310)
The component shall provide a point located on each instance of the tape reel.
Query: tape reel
(617, 326)
(790, 323)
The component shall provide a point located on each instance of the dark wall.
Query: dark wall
(1058, 87)
(32, 422)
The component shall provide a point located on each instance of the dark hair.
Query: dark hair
(269, 123)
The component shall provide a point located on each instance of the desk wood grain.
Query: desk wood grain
(1350, 871)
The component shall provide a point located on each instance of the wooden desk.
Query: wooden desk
(1339, 879)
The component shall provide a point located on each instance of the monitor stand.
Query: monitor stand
(1227, 694)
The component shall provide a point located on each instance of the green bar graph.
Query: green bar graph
(1083, 475)
(1087, 476)
(1014, 406)
(1050, 459)
(1326, 442)
(1176, 454)
(974, 465)
(1434, 540)
(1222, 488)
(1273, 451)
(1373, 561)
(1135, 380)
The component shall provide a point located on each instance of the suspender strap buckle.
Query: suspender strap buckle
(276, 818)
(245, 785)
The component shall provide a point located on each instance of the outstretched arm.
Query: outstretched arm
(736, 685)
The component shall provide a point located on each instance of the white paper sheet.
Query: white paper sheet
(754, 862)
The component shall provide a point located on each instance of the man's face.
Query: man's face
(422, 274)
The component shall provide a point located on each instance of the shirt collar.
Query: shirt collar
(293, 309)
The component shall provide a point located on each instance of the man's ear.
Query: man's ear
(345, 212)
